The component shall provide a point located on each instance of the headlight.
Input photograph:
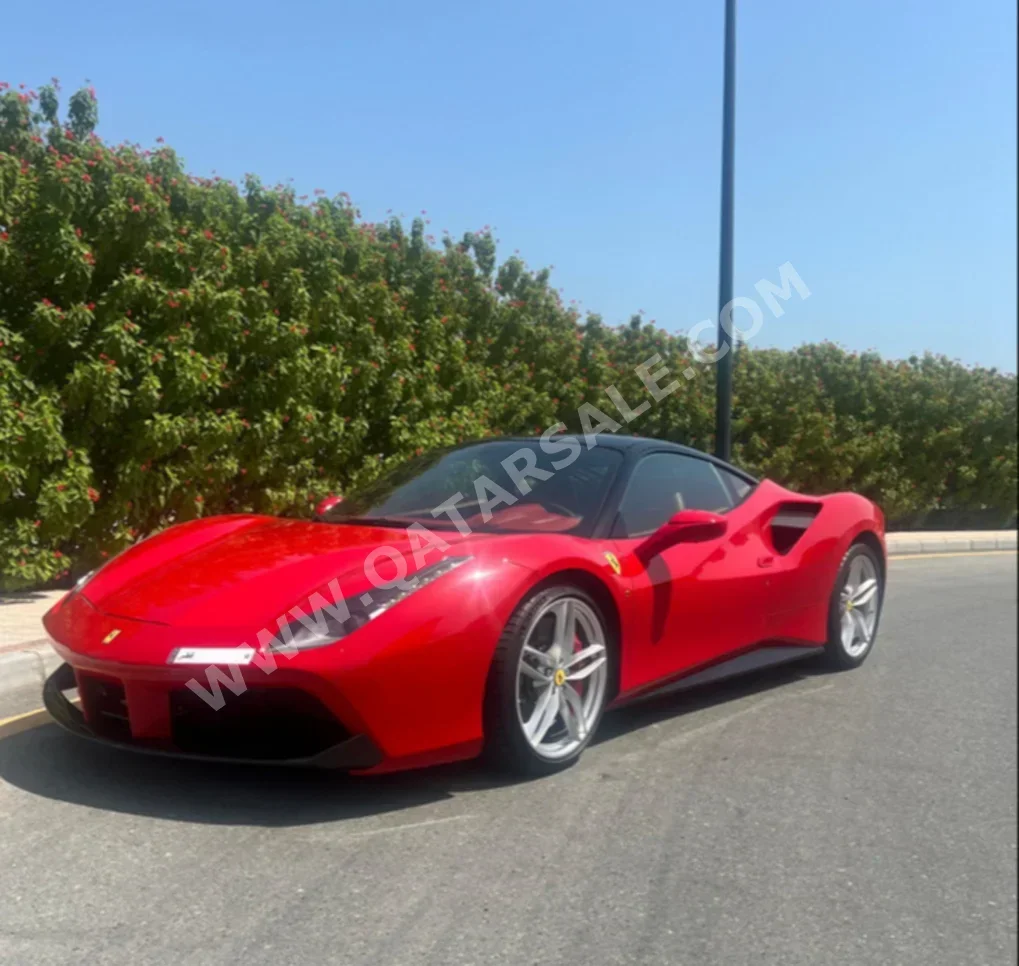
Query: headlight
(332, 623)
(81, 581)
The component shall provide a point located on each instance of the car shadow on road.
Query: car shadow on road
(48, 762)
(51, 763)
(663, 706)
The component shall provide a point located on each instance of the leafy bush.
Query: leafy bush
(173, 346)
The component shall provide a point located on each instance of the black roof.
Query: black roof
(610, 441)
(636, 445)
(615, 441)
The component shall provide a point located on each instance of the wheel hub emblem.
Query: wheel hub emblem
(560, 678)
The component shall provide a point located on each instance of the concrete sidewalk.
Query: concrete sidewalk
(26, 659)
(21, 616)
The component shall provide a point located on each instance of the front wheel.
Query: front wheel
(855, 608)
(548, 683)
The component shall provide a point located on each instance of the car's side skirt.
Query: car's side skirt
(755, 659)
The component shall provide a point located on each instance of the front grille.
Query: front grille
(105, 707)
(260, 724)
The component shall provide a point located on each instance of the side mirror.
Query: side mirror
(687, 526)
(325, 505)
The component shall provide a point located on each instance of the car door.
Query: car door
(694, 602)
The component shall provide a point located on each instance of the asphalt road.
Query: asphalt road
(795, 817)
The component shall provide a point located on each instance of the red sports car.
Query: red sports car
(497, 597)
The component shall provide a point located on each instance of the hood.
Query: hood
(248, 570)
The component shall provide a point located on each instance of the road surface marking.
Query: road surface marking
(41, 713)
(404, 828)
(21, 717)
(15, 719)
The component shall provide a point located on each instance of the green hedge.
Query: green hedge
(173, 346)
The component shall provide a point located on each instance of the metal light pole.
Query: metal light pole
(723, 400)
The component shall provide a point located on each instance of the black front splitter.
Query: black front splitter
(355, 753)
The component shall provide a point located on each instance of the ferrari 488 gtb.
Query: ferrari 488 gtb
(494, 598)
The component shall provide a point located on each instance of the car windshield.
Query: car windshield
(495, 486)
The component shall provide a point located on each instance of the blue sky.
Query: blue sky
(875, 151)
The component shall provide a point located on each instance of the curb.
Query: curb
(23, 671)
(910, 543)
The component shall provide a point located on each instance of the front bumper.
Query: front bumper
(413, 685)
(274, 726)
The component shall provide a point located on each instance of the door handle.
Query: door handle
(765, 561)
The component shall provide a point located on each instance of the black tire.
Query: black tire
(836, 655)
(506, 748)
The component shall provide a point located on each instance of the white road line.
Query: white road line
(404, 828)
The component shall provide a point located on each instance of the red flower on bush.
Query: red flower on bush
(373, 278)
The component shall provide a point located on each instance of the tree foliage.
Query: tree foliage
(174, 346)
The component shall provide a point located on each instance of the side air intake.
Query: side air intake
(789, 523)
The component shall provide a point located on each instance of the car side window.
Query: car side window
(739, 487)
(662, 484)
(701, 486)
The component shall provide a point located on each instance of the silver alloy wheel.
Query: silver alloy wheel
(561, 677)
(858, 606)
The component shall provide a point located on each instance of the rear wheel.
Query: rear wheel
(548, 683)
(855, 608)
